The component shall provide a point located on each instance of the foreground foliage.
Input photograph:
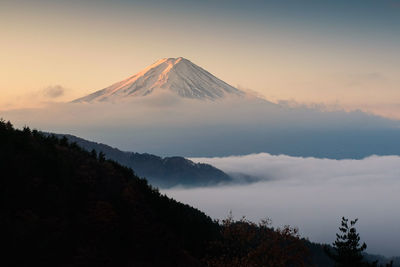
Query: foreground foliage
(243, 243)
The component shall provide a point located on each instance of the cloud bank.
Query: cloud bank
(167, 125)
(36, 98)
(54, 91)
(310, 193)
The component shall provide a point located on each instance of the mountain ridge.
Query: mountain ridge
(164, 172)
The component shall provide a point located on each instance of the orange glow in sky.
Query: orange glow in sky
(82, 48)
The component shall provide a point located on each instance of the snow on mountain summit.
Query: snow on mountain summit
(178, 75)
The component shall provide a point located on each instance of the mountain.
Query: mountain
(177, 75)
(161, 172)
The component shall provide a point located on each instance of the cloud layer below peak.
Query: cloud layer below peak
(310, 193)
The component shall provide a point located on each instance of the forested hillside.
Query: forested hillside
(63, 206)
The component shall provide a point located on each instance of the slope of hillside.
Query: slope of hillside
(62, 206)
(161, 172)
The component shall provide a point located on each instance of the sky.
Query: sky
(342, 54)
(309, 193)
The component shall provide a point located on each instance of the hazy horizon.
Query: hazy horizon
(168, 125)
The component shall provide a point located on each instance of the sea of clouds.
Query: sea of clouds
(310, 193)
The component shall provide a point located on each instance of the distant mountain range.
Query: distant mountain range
(177, 75)
(161, 172)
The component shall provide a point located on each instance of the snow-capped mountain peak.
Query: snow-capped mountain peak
(176, 75)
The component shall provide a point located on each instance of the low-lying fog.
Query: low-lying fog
(312, 194)
(168, 125)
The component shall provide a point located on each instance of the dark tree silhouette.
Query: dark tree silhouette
(93, 153)
(347, 247)
(102, 156)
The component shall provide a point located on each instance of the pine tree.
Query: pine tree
(347, 247)
(93, 153)
(102, 156)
